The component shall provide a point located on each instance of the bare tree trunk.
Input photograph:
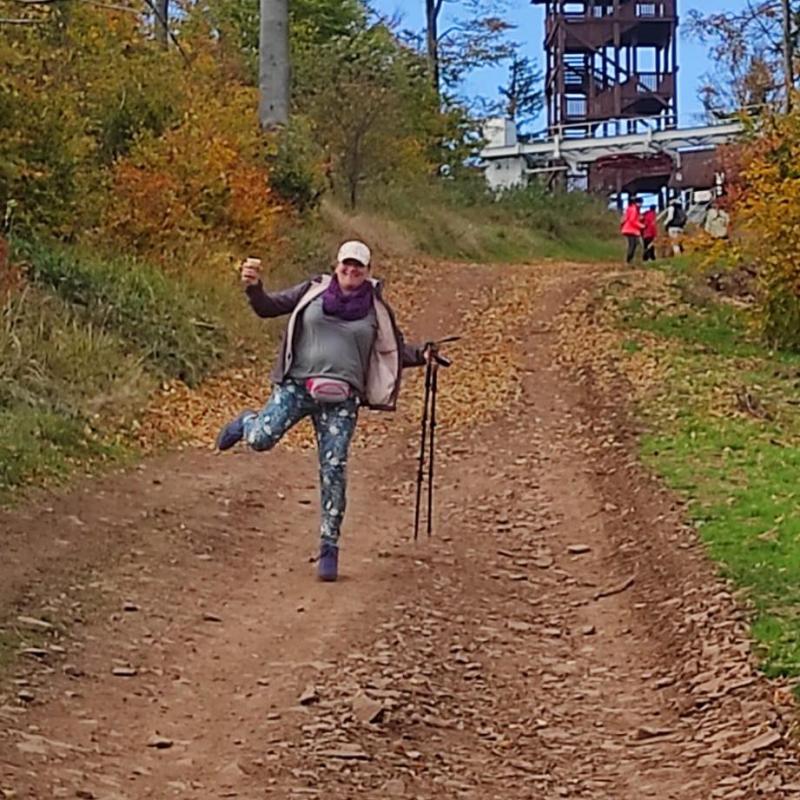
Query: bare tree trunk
(432, 9)
(274, 67)
(788, 53)
(161, 8)
(355, 160)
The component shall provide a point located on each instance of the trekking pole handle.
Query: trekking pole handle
(433, 346)
(437, 359)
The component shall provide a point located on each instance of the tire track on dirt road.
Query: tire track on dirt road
(560, 636)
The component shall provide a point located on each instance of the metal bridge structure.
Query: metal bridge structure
(678, 157)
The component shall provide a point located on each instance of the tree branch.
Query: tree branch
(112, 6)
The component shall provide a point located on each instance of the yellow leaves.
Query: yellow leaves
(767, 206)
(106, 131)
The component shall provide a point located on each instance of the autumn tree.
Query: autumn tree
(752, 53)
(768, 212)
(108, 83)
(373, 109)
(475, 36)
(361, 107)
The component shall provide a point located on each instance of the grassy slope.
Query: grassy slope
(82, 344)
(725, 433)
(462, 223)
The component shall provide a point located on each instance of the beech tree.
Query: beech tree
(274, 66)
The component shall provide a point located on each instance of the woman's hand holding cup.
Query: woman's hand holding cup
(251, 271)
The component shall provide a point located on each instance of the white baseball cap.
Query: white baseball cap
(356, 250)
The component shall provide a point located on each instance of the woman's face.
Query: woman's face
(351, 274)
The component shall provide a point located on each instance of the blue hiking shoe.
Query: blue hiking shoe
(233, 432)
(328, 565)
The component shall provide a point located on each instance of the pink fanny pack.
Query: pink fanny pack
(328, 390)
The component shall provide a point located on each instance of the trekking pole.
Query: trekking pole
(432, 426)
(421, 464)
(432, 450)
(429, 428)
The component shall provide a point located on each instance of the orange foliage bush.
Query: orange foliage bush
(205, 179)
(765, 199)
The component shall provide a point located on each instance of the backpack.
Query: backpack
(679, 217)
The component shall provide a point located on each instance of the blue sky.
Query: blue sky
(692, 58)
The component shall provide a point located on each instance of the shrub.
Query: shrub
(768, 208)
(105, 85)
(204, 180)
(298, 168)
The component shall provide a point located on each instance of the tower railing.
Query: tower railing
(656, 9)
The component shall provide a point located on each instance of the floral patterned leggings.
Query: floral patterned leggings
(334, 426)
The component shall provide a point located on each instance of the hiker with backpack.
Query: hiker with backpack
(631, 227)
(676, 222)
(341, 350)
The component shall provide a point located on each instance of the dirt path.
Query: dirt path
(561, 636)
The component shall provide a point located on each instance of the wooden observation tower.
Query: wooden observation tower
(612, 70)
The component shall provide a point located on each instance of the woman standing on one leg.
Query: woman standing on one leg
(341, 349)
(631, 227)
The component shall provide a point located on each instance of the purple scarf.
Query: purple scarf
(349, 307)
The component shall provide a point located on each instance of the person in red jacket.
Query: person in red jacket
(632, 226)
(649, 234)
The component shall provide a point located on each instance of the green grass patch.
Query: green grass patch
(87, 338)
(82, 345)
(743, 488)
(725, 433)
(710, 328)
(50, 358)
(631, 346)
